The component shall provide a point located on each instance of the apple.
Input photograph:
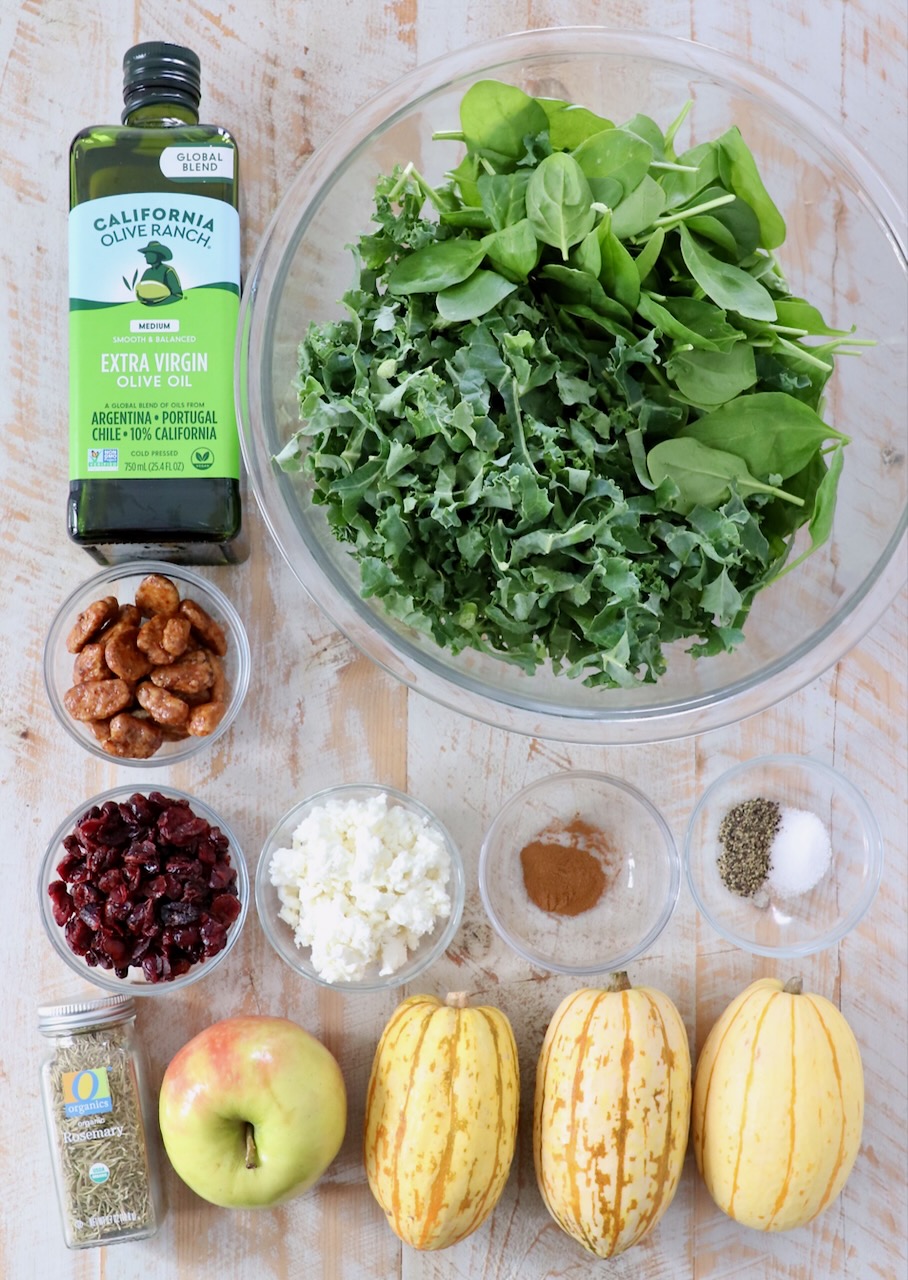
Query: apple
(252, 1111)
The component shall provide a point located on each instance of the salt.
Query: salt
(800, 854)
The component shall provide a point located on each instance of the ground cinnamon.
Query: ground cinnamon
(563, 870)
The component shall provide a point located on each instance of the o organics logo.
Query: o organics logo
(202, 459)
(87, 1092)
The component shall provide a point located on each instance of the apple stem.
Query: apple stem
(252, 1155)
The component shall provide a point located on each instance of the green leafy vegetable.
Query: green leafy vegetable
(704, 477)
(571, 415)
(559, 201)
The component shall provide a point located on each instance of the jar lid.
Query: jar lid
(81, 1015)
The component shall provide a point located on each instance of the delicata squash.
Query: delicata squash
(778, 1106)
(611, 1114)
(441, 1118)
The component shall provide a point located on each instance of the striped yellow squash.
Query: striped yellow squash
(778, 1106)
(441, 1118)
(611, 1114)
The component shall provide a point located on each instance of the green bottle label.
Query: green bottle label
(154, 283)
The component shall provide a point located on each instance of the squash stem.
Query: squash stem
(618, 982)
(457, 999)
(794, 986)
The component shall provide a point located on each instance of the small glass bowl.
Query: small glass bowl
(136, 984)
(643, 874)
(280, 934)
(121, 581)
(793, 926)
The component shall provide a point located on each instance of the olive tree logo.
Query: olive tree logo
(160, 283)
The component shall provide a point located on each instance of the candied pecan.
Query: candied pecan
(157, 594)
(128, 616)
(175, 638)
(125, 658)
(163, 707)
(97, 699)
(219, 683)
(191, 675)
(90, 664)
(131, 738)
(90, 621)
(211, 633)
(151, 640)
(205, 718)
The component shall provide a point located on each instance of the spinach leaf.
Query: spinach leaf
(503, 196)
(774, 433)
(698, 169)
(660, 317)
(639, 209)
(496, 118)
(569, 125)
(648, 256)
(615, 154)
(820, 525)
(795, 313)
(739, 174)
(710, 378)
(476, 295)
(642, 126)
(704, 477)
(513, 250)
(618, 271)
(727, 285)
(436, 266)
(559, 201)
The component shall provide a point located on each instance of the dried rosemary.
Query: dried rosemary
(92, 1091)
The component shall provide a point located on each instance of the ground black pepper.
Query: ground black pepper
(746, 833)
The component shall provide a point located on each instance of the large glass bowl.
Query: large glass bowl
(844, 251)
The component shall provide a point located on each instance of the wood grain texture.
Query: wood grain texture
(283, 75)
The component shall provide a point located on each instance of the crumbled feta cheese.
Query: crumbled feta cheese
(363, 882)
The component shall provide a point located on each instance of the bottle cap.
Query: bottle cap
(160, 72)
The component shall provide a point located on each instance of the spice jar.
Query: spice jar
(92, 1085)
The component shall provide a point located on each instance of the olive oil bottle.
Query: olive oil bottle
(154, 283)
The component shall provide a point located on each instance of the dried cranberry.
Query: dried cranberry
(207, 851)
(156, 967)
(214, 937)
(61, 902)
(180, 826)
(78, 935)
(143, 809)
(90, 914)
(221, 876)
(141, 919)
(84, 893)
(115, 914)
(185, 937)
(157, 887)
(144, 852)
(225, 908)
(179, 864)
(195, 890)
